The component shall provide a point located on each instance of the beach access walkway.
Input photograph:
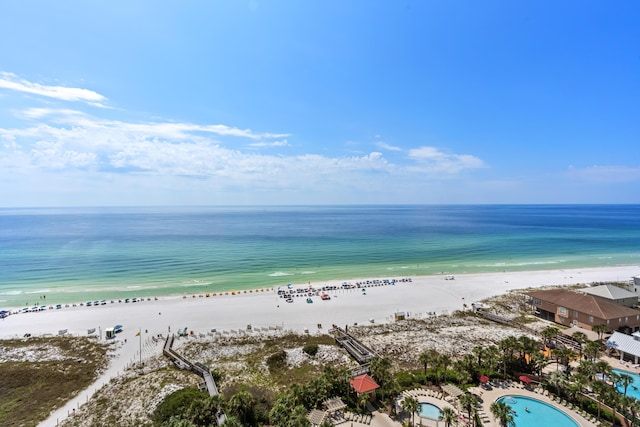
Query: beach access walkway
(360, 352)
(199, 369)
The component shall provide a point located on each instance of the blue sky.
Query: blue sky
(319, 102)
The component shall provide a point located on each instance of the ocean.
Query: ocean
(79, 254)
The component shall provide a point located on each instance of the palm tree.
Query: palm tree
(578, 382)
(425, 358)
(448, 415)
(600, 330)
(603, 367)
(468, 402)
(592, 350)
(549, 333)
(507, 346)
(411, 405)
(528, 347)
(613, 400)
(587, 369)
(503, 413)
(581, 339)
(599, 389)
(204, 411)
(479, 352)
(625, 381)
(491, 357)
(563, 356)
(443, 362)
(298, 417)
(363, 398)
(538, 362)
(467, 363)
(558, 380)
(242, 405)
(380, 368)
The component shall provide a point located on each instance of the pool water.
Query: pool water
(633, 389)
(429, 410)
(538, 414)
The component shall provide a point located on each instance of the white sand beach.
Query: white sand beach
(263, 309)
(424, 294)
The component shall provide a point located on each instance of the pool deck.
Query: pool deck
(488, 396)
(499, 389)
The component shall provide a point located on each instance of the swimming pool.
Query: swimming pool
(429, 410)
(538, 413)
(633, 389)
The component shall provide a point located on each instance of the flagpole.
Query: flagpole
(140, 335)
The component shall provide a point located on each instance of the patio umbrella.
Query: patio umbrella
(525, 379)
(484, 379)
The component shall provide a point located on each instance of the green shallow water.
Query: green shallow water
(73, 255)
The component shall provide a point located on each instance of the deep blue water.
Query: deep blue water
(76, 254)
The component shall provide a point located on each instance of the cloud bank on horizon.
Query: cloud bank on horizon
(128, 138)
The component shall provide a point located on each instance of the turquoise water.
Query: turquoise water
(73, 255)
(633, 389)
(429, 410)
(538, 414)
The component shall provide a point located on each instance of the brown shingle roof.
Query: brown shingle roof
(588, 304)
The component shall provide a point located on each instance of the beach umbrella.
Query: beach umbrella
(525, 379)
(484, 379)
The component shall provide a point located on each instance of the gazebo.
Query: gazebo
(364, 384)
(332, 412)
(316, 417)
(334, 405)
(452, 390)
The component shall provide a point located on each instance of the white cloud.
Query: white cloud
(167, 149)
(38, 113)
(280, 143)
(88, 152)
(13, 82)
(170, 130)
(606, 174)
(385, 146)
(431, 159)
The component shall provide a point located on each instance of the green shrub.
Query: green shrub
(176, 403)
(404, 379)
(310, 349)
(277, 360)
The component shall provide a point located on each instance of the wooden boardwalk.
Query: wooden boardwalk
(199, 369)
(567, 341)
(360, 352)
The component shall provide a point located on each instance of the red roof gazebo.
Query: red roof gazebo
(364, 384)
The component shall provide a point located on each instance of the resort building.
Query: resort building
(613, 293)
(627, 346)
(570, 308)
(634, 285)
